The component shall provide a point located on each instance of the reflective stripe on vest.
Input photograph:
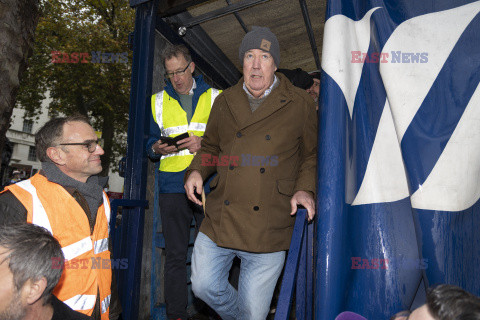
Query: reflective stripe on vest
(106, 205)
(180, 153)
(81, 302)
(100, 246)
(215, 93)
(157, 100)
(174, 130)
(196, 126)
(106, 303)
(172, 121)
(78, 248)
(40, 217)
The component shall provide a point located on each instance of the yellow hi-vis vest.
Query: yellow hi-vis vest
(87, 258)
(172, 121)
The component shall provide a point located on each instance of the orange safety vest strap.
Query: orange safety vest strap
(100, 246)
(81, 302)
(78, 248)
(40, 218)
(106, 303)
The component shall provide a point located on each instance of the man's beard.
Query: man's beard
(16, 311)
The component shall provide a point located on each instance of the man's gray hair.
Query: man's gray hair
(52, 131)
(445, 302)
(176, 51)
(32, 253)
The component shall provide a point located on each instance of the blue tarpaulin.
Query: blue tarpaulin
(399, 154)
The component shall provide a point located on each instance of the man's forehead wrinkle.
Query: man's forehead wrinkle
(79, 135)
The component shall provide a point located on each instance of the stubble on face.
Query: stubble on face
(11, 305)
(16, 310)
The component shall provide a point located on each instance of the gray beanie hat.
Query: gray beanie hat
(260, 38)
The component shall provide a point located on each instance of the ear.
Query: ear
(33, 290)
(192, 66)
(56, 156)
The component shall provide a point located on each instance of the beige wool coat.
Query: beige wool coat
(262, 159)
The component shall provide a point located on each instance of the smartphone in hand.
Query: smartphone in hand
(174, 141)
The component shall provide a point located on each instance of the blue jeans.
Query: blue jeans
(259, 273)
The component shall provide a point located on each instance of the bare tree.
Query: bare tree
(18, 20)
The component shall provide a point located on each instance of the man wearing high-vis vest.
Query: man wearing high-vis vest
(182, 107)
(66, 197)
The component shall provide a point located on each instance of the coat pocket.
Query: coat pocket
(214, 181)
(286, 186)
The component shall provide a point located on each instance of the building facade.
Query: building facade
(21, 135)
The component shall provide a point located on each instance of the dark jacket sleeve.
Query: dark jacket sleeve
(153, 137)
(115, 307)
(11, 209)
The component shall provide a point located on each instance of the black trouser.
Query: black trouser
(177, 212)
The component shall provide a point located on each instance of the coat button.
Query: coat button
(256, 208)
(226, 202)
(239, 134)
(262, 170)
(231, 167)
(267, 137)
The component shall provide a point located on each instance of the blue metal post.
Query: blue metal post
(305, 276)
(310, 269)
(291, 267)
(301, 281)
(136, 166)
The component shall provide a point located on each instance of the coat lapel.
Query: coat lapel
(237, 103)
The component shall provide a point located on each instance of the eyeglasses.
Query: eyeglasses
(170, 75)
(91, 145)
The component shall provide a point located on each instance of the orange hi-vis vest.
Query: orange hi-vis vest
(88, 265)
